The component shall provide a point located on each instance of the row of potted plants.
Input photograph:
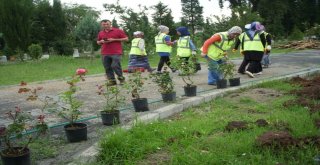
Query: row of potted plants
(16, 145)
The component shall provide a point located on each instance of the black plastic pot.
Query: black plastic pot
(167, 97)
(190, 90)
(222, 83)
(197, 66)
(76, 132)
(110, 117)
(234, 81)
(23, 159)
(140, 105)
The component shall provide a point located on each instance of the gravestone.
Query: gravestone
(76, 53)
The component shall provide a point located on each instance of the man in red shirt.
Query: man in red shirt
(110, 39)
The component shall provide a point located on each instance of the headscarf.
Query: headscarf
(255, 26)
(138, 33)
(163, 29)
(183, 31)
(235, 29)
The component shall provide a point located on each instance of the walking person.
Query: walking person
(138, 56)
(110, 39)
(214, 50)
(185, 45)
(265, 59)
(163, 47)
(252, 43)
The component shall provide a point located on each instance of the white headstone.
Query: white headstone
(76, 53)
(45, 56)
(3, 59)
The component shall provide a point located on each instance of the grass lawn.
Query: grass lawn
(197, 136)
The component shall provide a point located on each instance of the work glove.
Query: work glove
(268, 47)
(194, 52)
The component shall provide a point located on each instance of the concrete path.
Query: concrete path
(301, 63)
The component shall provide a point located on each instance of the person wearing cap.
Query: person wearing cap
(214, 50)
(252, 43)
(110, 39)
(138, 56)
(265, 59)
(185, 46)
(163, 47)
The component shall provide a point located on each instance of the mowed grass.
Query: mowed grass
(197, 135)
(57, 67)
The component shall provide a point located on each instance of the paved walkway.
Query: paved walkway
(282, 64)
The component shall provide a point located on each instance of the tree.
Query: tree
(58, 20)
(192, 14)
(163, 16)
(87, 30)
(75, 12)
(15, 22)
(273, 18)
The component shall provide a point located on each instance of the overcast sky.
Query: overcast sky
(209, 7)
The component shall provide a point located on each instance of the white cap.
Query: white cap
(247, 26)
(138, 33)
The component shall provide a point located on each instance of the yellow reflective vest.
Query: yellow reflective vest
(251, 45)
(217, 50)
(135, 48)
(161, 45)
(184, 47)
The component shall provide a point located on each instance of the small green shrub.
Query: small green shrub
(35, 51)
(296, 34)
(63, 47)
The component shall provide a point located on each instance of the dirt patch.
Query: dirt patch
(236, 125)
(310, 88)
(277, 139)
(299, 101)
(317, 123)
(160, 157)
(283, 139)
(261, 123)
(260, 95)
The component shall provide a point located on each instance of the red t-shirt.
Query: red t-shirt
(111, 48)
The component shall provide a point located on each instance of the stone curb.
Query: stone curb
(89, 155)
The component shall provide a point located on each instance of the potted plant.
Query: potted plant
(227, 70)
(197, 65)
(186, 70)
(15, 148)
(135, 85)
(113, 99)
(165, 84)
(69, 109)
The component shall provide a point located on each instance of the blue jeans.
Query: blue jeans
(265, 59)
(213, 73)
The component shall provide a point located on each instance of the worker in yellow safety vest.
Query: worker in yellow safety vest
(163, 47)
(252, 43)
(214, 50)
(138, 56)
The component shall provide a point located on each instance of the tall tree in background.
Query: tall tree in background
(273, 12)
(74, 13)
(163, 16)
(87, 30)
(15, 22)
(59, 27)
(41, 22)
(192, 14)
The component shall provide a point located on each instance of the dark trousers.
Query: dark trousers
(163, 59)
(253, 58)
(112, 65)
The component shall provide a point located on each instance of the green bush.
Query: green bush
(63, 47)
(35, 51)
(296, 34)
